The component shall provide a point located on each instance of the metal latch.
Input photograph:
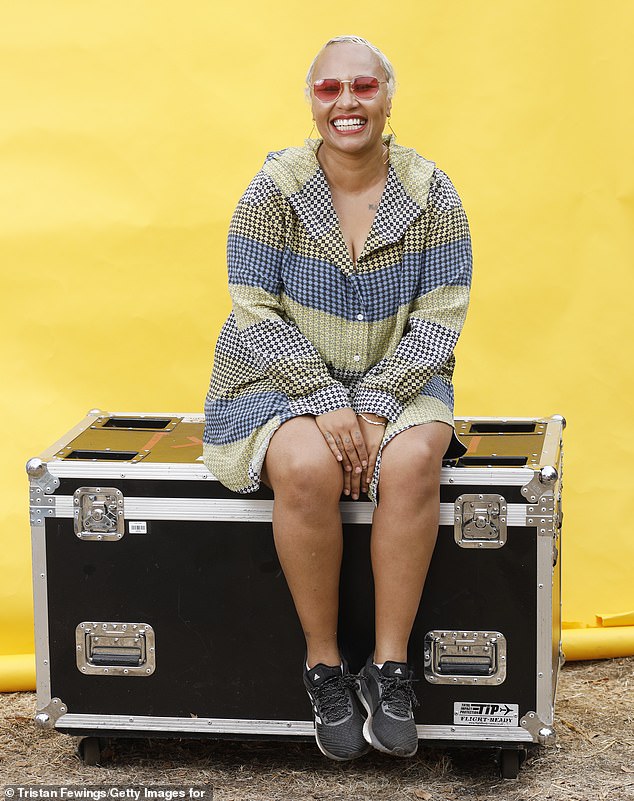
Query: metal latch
(98, 513)
(465, 657)
(480, 521)
(115, 649)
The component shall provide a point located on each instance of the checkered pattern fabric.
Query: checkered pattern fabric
(311, 331)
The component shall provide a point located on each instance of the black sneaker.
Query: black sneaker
(387, 696)
(338, 719)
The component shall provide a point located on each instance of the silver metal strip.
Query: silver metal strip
(40, 611)
(275, 727)
(550, 450)
(162, 471)
(157, 471)
(484, 476)
(500, 419)
(252, 511)
(544, 645)
(477, 733)
(185, 725)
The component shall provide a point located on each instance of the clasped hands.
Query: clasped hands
(355, 444)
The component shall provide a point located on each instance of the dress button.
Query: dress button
(356, 357)
(359, 316)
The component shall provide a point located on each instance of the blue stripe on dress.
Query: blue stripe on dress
(322, 286)
(438, 387)
(443, 265)
(319, 285)
(253, 263)
(230, 420)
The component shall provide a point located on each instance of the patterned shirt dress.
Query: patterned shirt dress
(311, 331)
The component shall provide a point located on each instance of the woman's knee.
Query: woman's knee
(298, 460)
(412, 460)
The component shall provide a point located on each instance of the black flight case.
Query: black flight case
(150, 579)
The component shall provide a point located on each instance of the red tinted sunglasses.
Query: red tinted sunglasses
(364, 87)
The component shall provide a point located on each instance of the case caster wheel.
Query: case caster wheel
(90, 750)
(511, 760)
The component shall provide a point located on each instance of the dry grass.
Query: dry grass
(591, 762)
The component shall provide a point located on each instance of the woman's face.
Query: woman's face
(348, 124)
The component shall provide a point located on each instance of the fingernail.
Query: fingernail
(348, 468)
(346, 492)
(365, 464)
(357, 469)
(354, 497)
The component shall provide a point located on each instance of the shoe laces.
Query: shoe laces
(333, 697)
(398, 695)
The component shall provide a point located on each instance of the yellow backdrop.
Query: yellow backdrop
(128, 132)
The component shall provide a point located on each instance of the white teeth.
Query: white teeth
(348, 125)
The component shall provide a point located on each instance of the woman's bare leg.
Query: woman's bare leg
(404, 532)
(307, 481)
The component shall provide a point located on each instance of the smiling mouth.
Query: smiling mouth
(348, 125)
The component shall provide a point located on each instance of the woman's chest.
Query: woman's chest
(383, 281)
(355, 214)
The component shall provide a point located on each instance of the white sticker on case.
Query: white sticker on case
(137, 527)
(468, 713)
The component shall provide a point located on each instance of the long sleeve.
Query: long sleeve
(437, 314)
(255, 254)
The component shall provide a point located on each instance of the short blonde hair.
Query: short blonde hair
(383, 59)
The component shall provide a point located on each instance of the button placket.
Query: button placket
(360, 333)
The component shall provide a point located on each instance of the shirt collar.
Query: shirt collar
(299, 176)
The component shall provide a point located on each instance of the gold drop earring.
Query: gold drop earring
(389, 125)
(312, 131)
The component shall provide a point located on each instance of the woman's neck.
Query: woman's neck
(353, 172)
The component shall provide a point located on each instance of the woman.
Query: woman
(349, 271)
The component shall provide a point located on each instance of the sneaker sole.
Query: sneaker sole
(338, 758)
(327, 753)
(370, 737)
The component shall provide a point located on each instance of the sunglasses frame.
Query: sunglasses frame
(350, 82)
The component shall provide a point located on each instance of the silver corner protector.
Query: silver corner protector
(541, 484)
(47, 717)
(38, 473)
(560, 419)
(541, 732)
(96, 412)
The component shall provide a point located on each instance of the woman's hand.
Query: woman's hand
(373, 437)
(343, 435)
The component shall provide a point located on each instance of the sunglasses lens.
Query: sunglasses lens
(327, 90)
(365, 88)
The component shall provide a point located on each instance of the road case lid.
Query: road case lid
(169, 445)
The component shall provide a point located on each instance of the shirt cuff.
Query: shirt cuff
(377, 402)
(327, 399)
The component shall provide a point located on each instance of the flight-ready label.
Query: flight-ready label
(468, 713)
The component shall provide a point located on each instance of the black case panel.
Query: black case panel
(228, 642)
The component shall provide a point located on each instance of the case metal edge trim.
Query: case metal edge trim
(476, 733)
(253, 511)
(544, 680)
(164, 471)
(275, 727)
(184, 725)
(40, 612)
(552, 441)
